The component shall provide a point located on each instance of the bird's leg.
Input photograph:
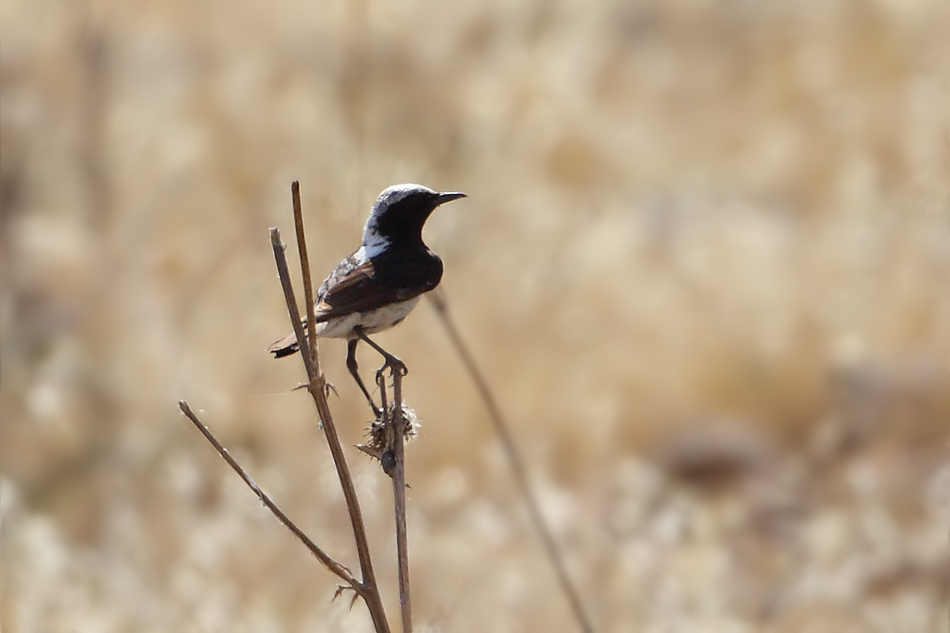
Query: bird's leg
(391, 361)
(355, 372)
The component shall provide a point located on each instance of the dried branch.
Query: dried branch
(367, 588)
(317, 389)
(515, 461)
(307, 280)
(284, 274)
(399, 500)
(340, 570)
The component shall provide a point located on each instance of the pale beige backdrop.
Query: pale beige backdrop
(704, 262)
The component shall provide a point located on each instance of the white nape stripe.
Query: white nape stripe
(373, 245)
(373, 242)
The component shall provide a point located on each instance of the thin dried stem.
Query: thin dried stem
(340, 570)
(381, 383)
(399, 501)
(515, 461)
(284, 274)
(307, 280)
(316, 387)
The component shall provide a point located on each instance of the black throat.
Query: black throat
(407, 262)
(402, 222)
(407, 265)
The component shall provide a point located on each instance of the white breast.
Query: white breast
(371, 322)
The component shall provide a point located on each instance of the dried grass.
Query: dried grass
(684, 220)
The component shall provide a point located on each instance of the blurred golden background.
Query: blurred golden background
(705, 263)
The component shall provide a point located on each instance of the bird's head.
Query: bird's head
(399, 214)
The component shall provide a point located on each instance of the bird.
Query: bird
(377, 286)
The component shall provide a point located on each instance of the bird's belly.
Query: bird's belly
(371, 322)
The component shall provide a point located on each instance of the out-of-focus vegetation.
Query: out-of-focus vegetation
(705, 261)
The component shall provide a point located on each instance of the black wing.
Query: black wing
(352, 287)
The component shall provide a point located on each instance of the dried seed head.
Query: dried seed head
(381, 432)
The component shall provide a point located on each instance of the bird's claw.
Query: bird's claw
(394, 364)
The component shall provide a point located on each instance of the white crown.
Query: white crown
(392, 195)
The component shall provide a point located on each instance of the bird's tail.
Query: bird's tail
(284, 347)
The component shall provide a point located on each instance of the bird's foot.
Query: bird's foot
(392, 363)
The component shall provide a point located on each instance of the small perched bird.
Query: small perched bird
(376, 287)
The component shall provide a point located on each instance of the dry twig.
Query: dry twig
(515, 461)
(317, 389)
(340, 570)
(307, 280)
(399, 501)
(367, 587)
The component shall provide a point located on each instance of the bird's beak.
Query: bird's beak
(449, 197)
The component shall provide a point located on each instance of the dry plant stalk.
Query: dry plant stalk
(367, 587)
(398, 474)
(389, 432)
(516, 462)
(340, 570)
(317, 387)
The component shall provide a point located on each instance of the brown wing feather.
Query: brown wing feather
(356, 290)
(351, 287)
